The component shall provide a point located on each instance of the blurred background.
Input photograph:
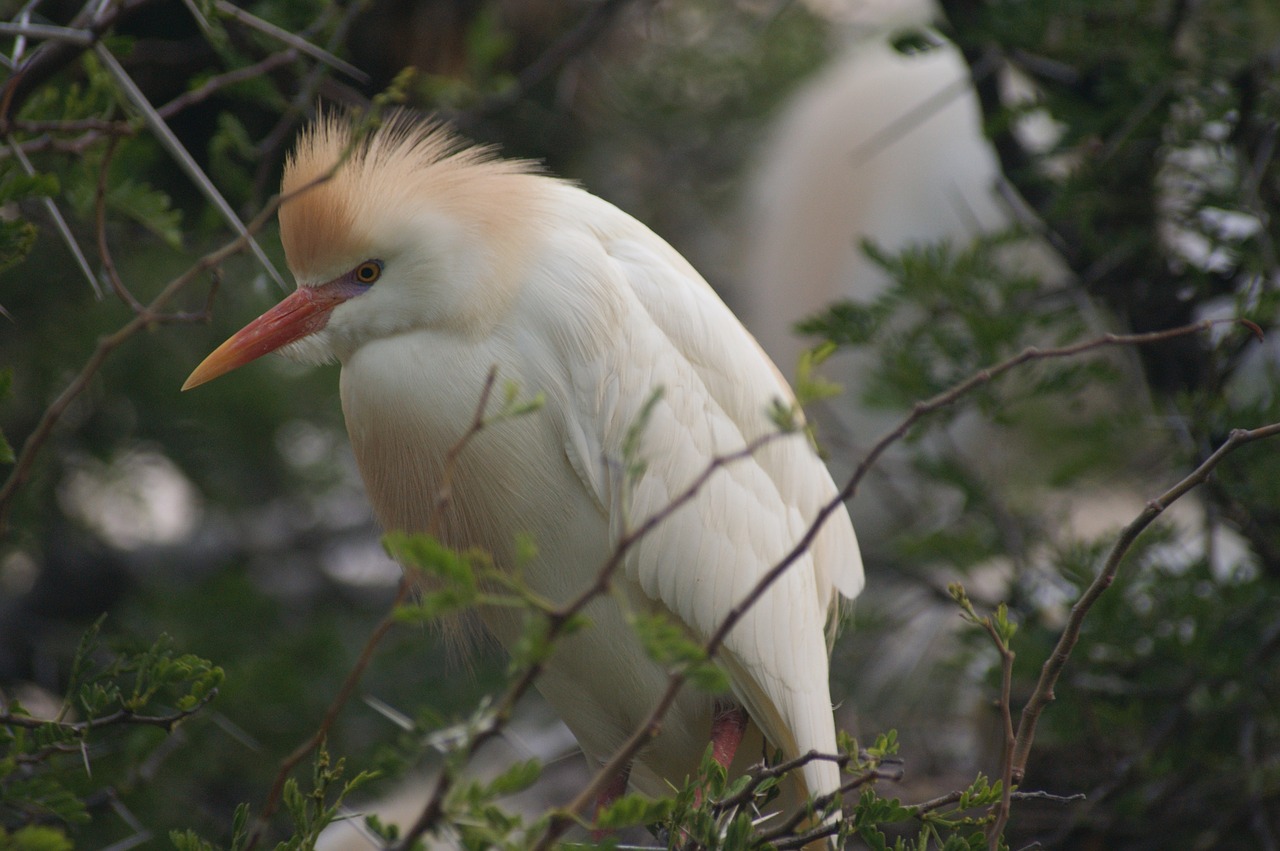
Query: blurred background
(931, 187)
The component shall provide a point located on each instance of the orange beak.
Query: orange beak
(304, 312)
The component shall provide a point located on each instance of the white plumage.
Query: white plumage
(481, 263)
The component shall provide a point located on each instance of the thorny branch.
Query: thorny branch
(649, 727)
(122, 716)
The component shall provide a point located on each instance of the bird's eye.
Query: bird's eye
(368, 272)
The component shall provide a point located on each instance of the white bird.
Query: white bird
(884, 146)
(423, 264)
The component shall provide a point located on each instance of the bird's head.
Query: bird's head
(404, 230)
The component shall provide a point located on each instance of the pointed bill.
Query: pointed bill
(304, 312)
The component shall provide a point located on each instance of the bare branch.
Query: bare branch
(1043, 695)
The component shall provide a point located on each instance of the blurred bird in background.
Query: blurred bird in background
(421, 266)
(884, 145)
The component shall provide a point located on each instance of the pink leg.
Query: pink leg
(610, 793)
(727, 729)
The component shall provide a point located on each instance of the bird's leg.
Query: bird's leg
(610, 793)
(728, 726)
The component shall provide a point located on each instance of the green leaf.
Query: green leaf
(518, 777)
(35, 838)
(634, 809)
(844, 323)
(669, 645)
(149, 207)
(425, 553)
(809, 386)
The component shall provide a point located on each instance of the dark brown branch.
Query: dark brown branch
(213, 85)
(100, 225)
(1043, 695)
(560, 822)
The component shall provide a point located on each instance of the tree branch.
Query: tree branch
(1043, 695)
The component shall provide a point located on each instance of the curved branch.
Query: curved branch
(1043, 695)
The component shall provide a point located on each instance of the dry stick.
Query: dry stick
(649, 727)
(1043, 695)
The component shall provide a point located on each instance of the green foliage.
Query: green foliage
(1168, 704)
(17, 235)
(119, 696)
(949, 312)
(632, 810)
(35, 838)
(670, 645)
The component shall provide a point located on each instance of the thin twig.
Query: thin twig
(1043, 695)
(995, 830)
(213, 85)
(104, 250)
(64, 230)
(122, 716)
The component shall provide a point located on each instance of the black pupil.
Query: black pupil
(367, 273)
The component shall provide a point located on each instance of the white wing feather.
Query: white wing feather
(663, 327)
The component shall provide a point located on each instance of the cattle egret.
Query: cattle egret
(887, 147)
(423, 264)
